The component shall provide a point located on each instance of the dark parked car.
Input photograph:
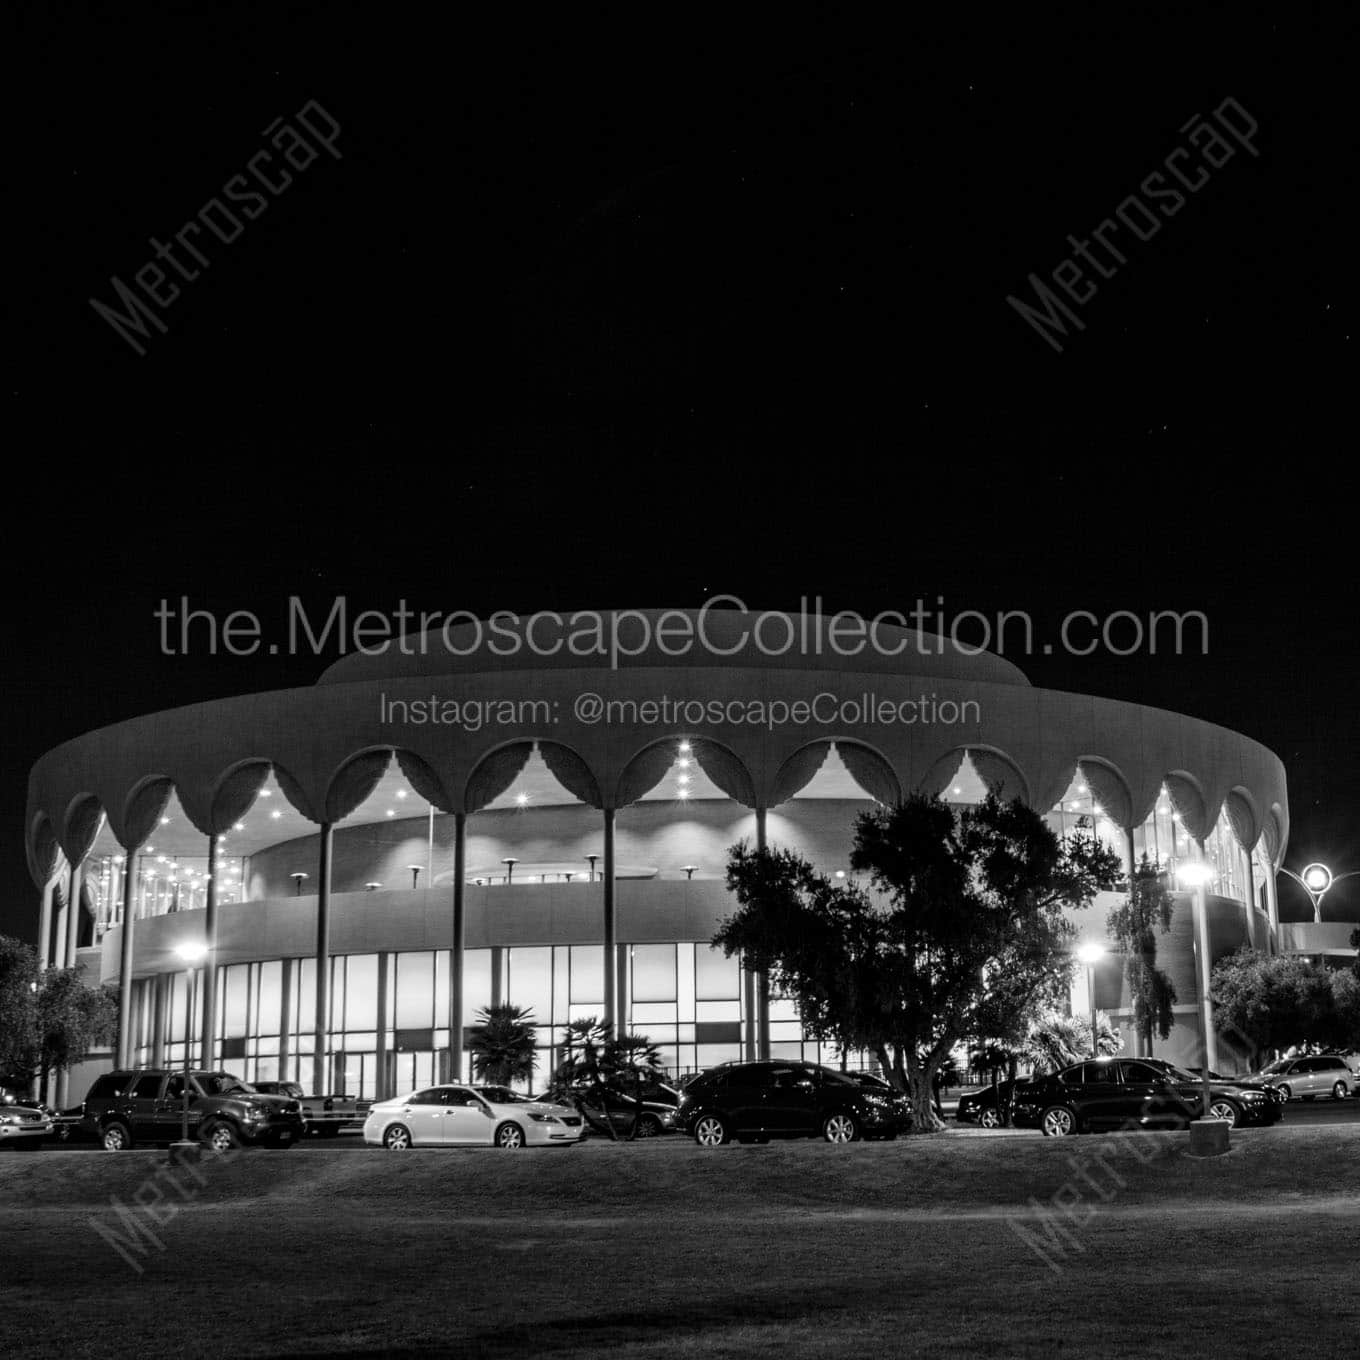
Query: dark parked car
(1112, 1093)
(877, 1086)
(756, 1101)
(606, 1107)
(986, 1105)
(146, 1106)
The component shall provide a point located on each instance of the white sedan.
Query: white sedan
(478, 1116)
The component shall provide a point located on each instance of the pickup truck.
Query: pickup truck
(325, 1116)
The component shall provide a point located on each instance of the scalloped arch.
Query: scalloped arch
(80, 826)
(644, 770)
(142, 810)
(1187, 797)
(296, 795)
(1243, 817)
(354, 779)
(424, 779)
(569, 768)
(494, 772)
(726, 769)
(1109, 788)
(44, 851)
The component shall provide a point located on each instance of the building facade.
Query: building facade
(457, 823)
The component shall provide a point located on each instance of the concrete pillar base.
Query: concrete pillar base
(1209, 1137)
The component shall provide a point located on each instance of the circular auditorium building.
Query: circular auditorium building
(461, 821)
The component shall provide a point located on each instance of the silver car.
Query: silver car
(1310, 1077)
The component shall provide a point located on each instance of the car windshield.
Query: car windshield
(221, 1084)
(502, 1095)
(1179, 1074)
(836, 1078)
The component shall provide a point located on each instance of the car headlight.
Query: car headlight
(257, 1112)
(544, 1118)
(10, 1119)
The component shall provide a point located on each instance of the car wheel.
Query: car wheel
(1286, 1093)
(840, 1127)
(1339, 1091)
(649, 1126)
(989, 1119)
(116, 1137)
(220, 1137)
(1058, 1122)
(710, 1131)
(397, 1138)
(1224, 1109)
(509, 1135)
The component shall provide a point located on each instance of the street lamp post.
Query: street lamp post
(1197, 876)
(189, 954)
(1090, 955)
(1317, 880)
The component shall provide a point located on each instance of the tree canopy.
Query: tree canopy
(957, 912)
(1272, 1001)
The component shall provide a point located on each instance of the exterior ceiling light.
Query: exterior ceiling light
(165, 821)
(401, 793)
(521, 798)
(276, 814)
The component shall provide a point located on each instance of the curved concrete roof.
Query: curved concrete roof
(328, 745)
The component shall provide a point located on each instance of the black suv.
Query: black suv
(146, 1106)
(1112, 1093)
(756, 1101)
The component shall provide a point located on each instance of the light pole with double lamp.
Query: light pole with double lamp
(1317, 880)
(189, 953)
(1090, 955)
(1197, 875)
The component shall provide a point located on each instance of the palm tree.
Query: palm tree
(502, 1045)
(629, 1059)
(583, 1068)
(1056, 1040)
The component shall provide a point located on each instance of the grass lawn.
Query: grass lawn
(926, 1246)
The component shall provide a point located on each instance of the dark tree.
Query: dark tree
(1133, 926)
(18, 1010)
(502, 1045)
(899, 968)
(1273, 1001)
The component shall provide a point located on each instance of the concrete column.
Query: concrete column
(498, 975)
(321, 1031)
(762, 981)
(125, 1044)
(459, 946)
(1272, 904)
(73, 913)
(287, 969)
(1130, 865)
(160, 988)
(381, 1045)
(1203, 969)
(57, 953)
(209, 1032)
(1249, 893)
(45, 924)
(611, 940)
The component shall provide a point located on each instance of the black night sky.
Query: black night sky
(641, 314)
